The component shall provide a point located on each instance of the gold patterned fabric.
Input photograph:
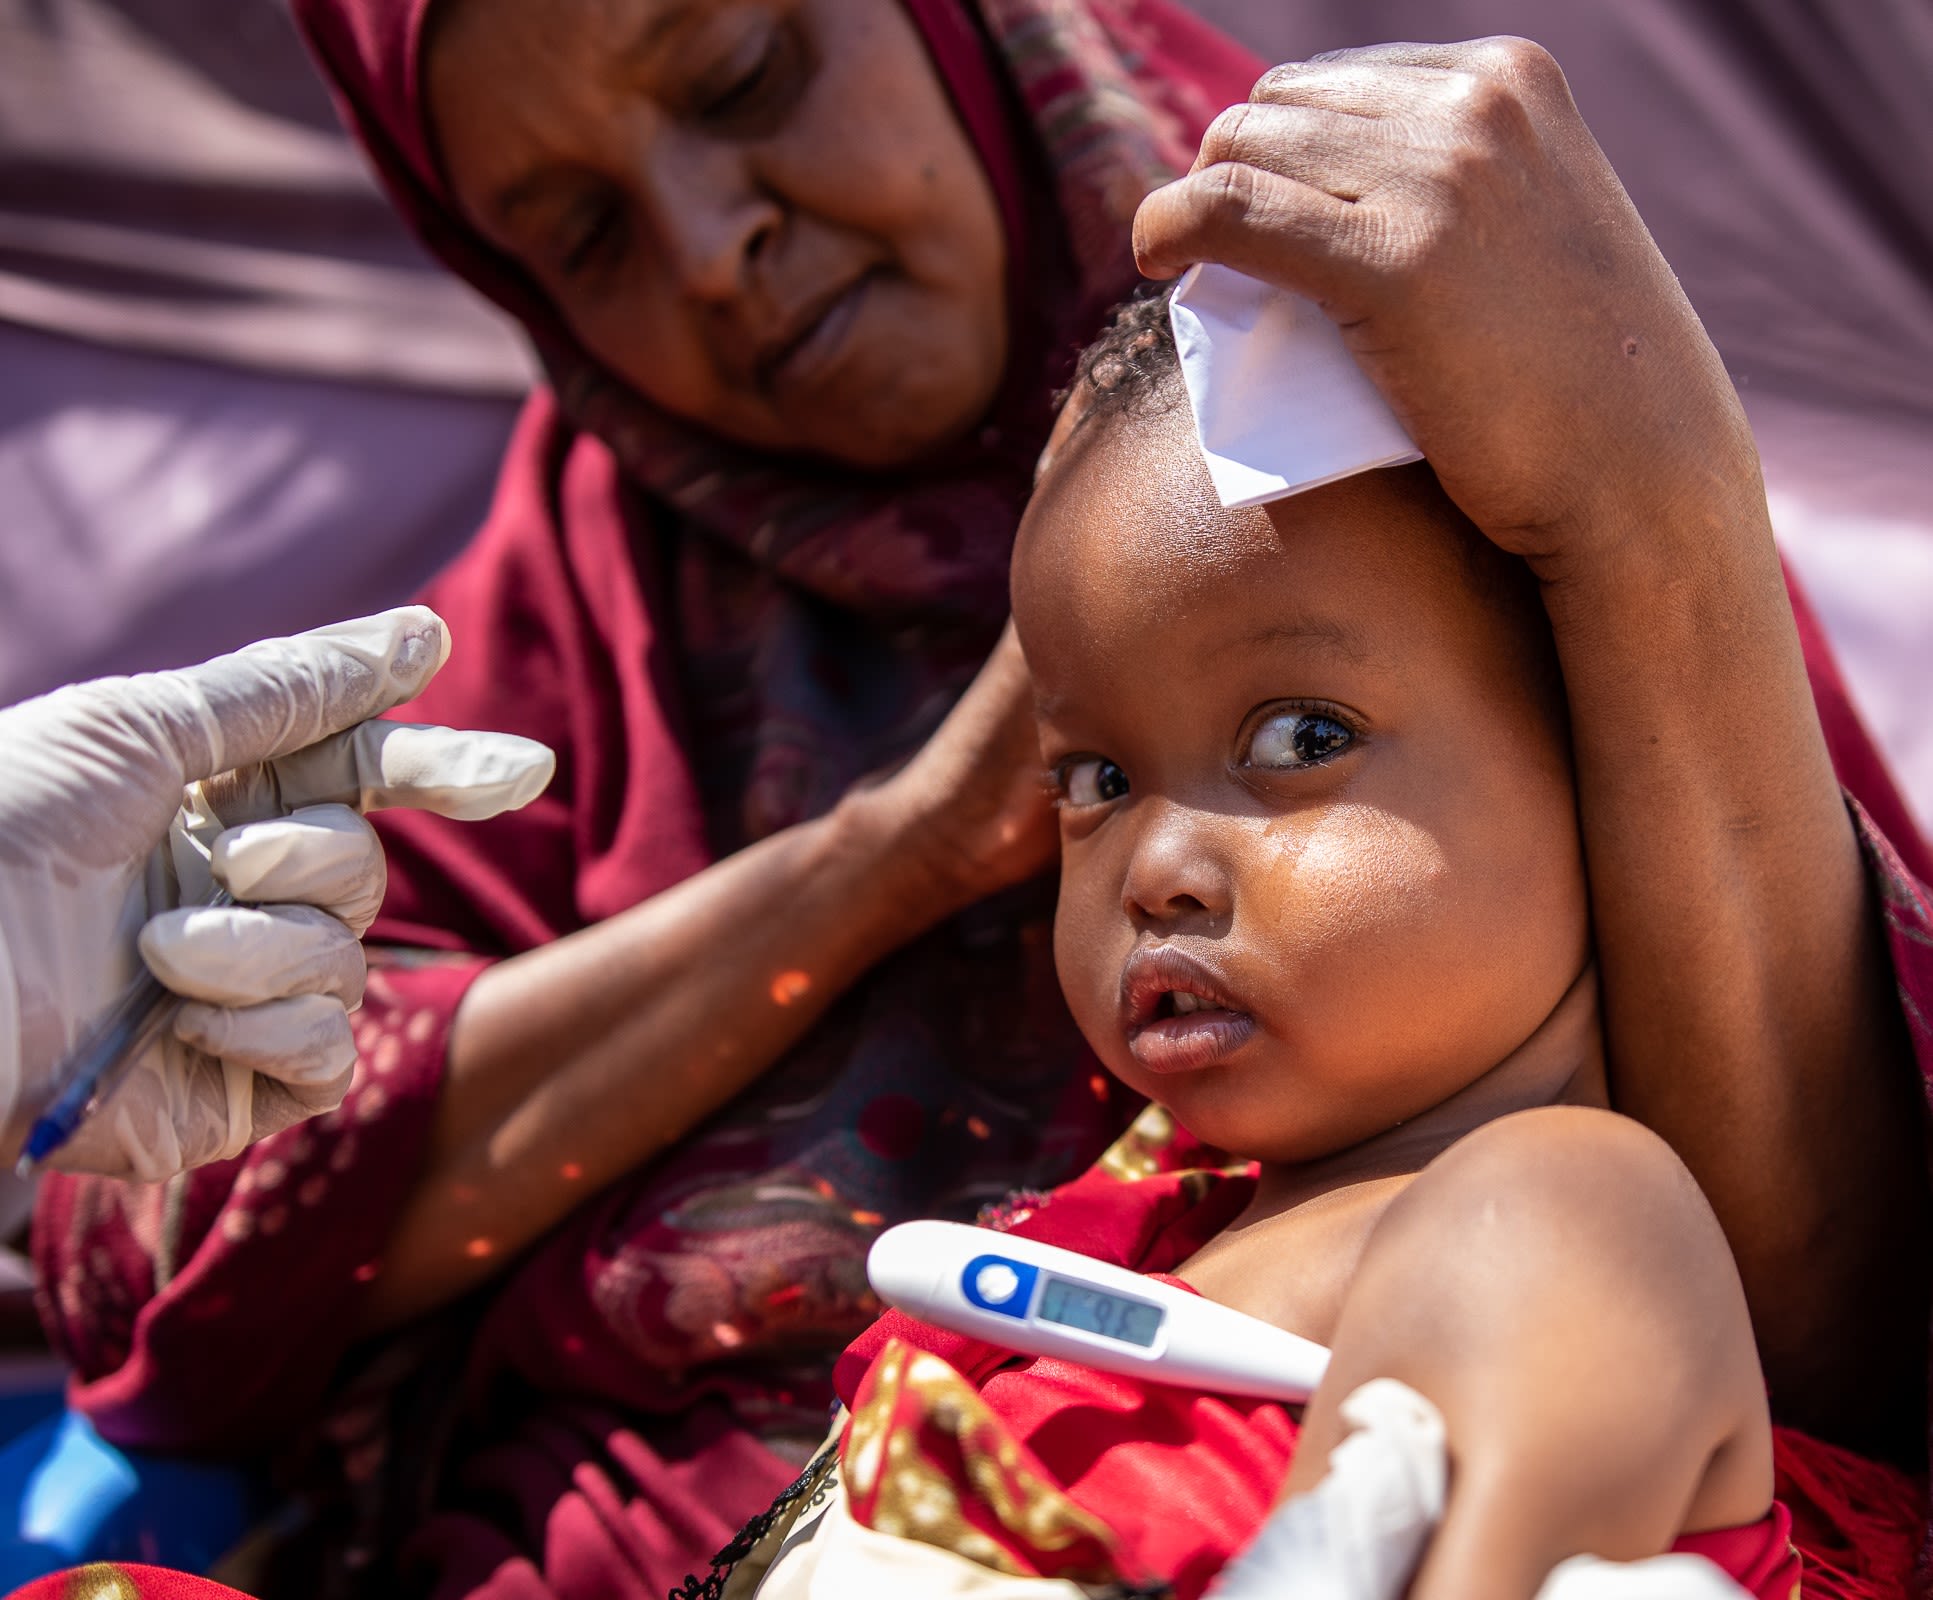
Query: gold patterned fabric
(928, 1460)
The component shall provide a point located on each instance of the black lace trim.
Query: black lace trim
(712, 1585)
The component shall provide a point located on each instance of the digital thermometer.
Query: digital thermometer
(1045, 1301)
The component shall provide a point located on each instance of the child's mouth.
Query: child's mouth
(1178, 1015)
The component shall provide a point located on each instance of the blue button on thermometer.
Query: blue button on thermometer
(1042, 1300)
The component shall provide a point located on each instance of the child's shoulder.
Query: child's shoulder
(1565, 1156)
(1587, 1194)
(1560, 1209)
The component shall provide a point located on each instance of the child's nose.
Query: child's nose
(1174, 875)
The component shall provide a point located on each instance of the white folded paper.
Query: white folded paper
(1279, 402)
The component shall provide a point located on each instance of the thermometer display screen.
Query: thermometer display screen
(1112, 1316)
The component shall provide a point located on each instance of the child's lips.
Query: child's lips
(1179, 1016)
(1187, 1044)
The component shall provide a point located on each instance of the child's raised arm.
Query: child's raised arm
(1555, 1284)
(1449, 209)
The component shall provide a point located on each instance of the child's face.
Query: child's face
(1321, 867)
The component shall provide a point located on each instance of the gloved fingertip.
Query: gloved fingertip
(528, 768)
(443, 632)
(303, 1040)
(463, 774)
(1666, 1577)
(326, 856)
(202, 1027)
(420, 646)
(157, 941)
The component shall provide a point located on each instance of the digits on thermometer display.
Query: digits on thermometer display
(1110, 1315)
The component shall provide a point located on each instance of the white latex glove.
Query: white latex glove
(1358, 1534)
(107, 826)
(1660, 1578)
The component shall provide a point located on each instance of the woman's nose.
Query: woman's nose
(1174, 873)
(713, 220)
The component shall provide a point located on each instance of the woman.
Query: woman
(721, 640)
(743, 558)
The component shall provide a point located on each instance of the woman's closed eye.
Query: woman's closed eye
(1286, 737)
(1088, 781)
(593, 235)
(757, 84)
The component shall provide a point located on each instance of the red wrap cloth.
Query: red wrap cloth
(1183, 1479)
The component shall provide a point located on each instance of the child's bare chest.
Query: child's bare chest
(1293, 1269)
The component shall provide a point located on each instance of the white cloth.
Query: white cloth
(845, 1560)
(123, 802)
(1280, 404)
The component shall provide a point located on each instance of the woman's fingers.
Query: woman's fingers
(1285, 232)
(247, 955)
(1354, 83)
(1348, 172)
(1342, 153)
(1278, 190)
(1385, 79)
(322, 856)
(1500, 55)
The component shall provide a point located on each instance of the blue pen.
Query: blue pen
(101, 1058)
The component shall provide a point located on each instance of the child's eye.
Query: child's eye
(1090, 781)
(1289, 738)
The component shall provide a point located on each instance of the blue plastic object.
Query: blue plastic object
(69, 1497)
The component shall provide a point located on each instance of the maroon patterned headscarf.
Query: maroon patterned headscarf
(1077, 108)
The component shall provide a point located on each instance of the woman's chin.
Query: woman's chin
(899, 417)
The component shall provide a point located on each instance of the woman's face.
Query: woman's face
(763, 215)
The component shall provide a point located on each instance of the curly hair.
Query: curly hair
(1132, 371)
(1132, 367)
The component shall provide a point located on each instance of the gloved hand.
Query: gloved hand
(124, 801)
(1660, 1578)
(1360, 1532)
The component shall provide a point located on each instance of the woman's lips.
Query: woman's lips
(810, 353)
(1179, 1016)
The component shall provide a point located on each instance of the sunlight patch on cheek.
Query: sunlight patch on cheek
(1361, 869)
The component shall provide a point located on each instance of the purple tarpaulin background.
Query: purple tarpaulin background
(234, 399)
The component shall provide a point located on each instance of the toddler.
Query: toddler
(1323, 900)
(1325, 903)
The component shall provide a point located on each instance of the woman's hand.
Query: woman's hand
(972, 805)
(572, 1063)
(1448, 208)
